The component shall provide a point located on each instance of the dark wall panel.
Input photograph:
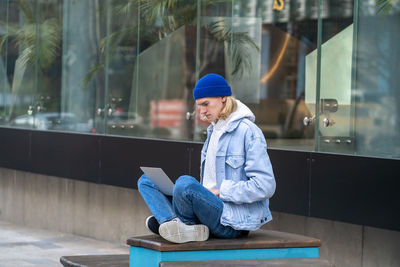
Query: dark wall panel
(354, 189)
(351, 189)
(122, 157)
(65, 155)
(291, 171)
(15, 148)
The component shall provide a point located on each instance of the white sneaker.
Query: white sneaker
(178, 232)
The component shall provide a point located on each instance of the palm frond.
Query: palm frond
(380, 2)
(171, 13)
(27, 8)
(39, 42)
(89, 76)
(384, 6)
(114, 38)
(3, 39)
(26, 55)
(49, 42)
(240, 43)
(126, 8)
(153, 9)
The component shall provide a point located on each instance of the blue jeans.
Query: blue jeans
(191, 202)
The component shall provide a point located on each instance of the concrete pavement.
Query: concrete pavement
(25, 247)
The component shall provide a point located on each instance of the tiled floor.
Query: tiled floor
(22, 246)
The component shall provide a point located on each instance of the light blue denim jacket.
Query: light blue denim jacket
(244, 174)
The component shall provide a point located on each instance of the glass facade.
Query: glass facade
(320, 75)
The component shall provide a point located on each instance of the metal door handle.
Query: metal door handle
(189, 115)
(307, 121)
(328, 122)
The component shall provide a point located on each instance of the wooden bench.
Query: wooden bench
(150, 250)
(123, 261)
(250, 263)
(95, 261)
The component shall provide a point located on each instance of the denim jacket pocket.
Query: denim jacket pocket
(235, 161)
(234, 168)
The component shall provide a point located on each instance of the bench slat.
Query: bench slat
(95, 261)
(255, 240)
(250, 263)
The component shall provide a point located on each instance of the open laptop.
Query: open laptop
(160, 179)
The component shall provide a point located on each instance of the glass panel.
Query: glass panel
(47, 98)
(18, 62)
(5, 91)
(51, 64)
(335, 108)
(263, 56)
(164, 70)
(359, 86)
(376, 88)
(121, 46)
(83, 63)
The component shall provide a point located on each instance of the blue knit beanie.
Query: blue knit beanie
(211, 85)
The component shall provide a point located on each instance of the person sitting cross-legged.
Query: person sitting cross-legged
(236, 179)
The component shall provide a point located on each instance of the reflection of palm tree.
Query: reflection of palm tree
(39, 42)
(217, 33)
(238, 42)
(169, 16)
(175, 14)
(384, 6)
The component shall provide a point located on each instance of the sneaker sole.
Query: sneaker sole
(178, 232)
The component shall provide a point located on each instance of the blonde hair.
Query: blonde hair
(229, 107)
